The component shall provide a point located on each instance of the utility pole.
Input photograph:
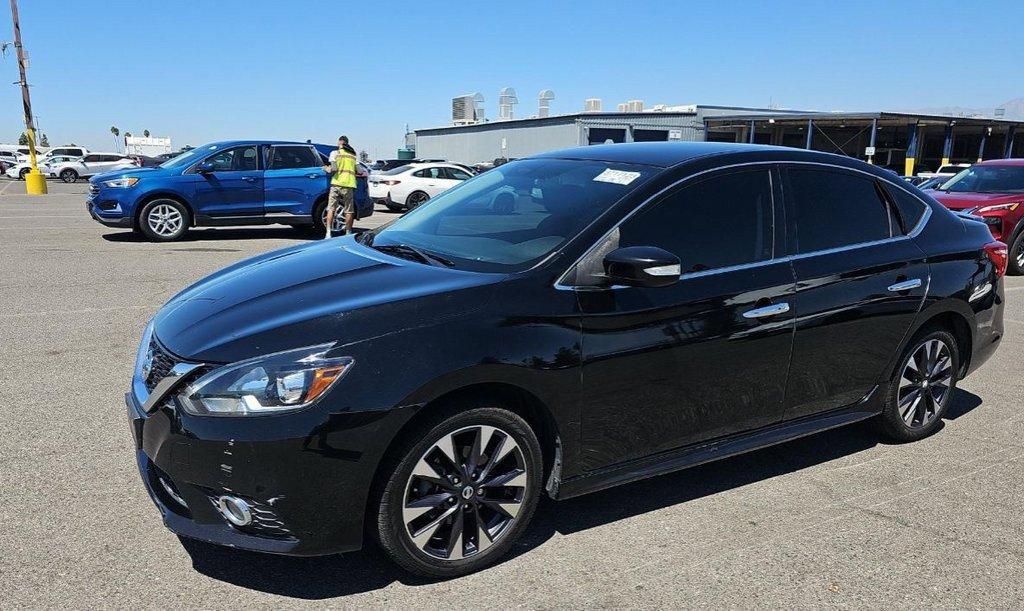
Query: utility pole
(35, 182)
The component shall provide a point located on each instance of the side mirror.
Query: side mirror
(645, 266)
(205, 167)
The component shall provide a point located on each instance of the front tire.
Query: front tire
(23, 173)
(164, 220)
(1015, 267)
(463, 489)
(921, 387)
(69, 176)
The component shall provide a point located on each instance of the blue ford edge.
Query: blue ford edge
(236, 182)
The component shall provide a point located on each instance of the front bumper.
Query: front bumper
(308, 491)
(113, 217)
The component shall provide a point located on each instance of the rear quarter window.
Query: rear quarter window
(910, 208)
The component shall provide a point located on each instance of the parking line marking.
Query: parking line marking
(82, 311)
(7, 186)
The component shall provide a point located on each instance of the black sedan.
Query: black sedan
(558, 325)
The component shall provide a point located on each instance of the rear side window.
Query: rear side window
(292, 157)
(719, 222)
(911, 209)
(834, 209)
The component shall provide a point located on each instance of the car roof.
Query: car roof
(1013, 162)
(659, 154)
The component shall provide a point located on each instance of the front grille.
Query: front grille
(160, 364)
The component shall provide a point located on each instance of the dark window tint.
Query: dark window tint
(911, 209)
(836, 209)
(429, 173)
(289, 157)
(94, 158)
(721, 221)
(236, 159)
(457, 174)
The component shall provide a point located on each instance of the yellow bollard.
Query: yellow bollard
(35, 183)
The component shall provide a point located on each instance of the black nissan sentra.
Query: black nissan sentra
(557, 325)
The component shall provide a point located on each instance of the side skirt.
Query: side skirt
(691, 456)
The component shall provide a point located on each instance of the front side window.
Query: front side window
(293, 157)
(233, 160)
(510, 218)
(834, 209)
(457, 174)
(987, 179)
(721, 221)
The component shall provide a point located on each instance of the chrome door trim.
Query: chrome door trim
(906, 285)
(561, 283)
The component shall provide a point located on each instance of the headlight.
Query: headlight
(122, 183)
(271, 384)
(1011, 206)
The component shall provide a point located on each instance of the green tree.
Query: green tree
(23, 139)
(115, 132)
(127, 134)
(145, 133)
(43, 140)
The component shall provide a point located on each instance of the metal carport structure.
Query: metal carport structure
(898, 140)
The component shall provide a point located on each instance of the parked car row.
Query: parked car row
(565, 323)
(240, 182)
(70, 168)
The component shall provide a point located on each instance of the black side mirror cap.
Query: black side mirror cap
(644, 266)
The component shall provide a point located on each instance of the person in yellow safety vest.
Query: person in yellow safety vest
(343, 169)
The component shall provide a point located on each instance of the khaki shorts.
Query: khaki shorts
(342, 199)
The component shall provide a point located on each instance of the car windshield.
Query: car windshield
(987, 179)
(510, 218)
(185, 158)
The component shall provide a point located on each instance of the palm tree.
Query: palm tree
(115, 132)
(145, 133)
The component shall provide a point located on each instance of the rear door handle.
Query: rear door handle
(772, 310)
(906, 285)
(315, 175)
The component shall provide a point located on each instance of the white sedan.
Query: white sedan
(92, 164)
(410, 185)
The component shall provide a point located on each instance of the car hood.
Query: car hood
(328, 291)
(966, 201)
(139, 172)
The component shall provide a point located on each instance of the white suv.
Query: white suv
(92, 164)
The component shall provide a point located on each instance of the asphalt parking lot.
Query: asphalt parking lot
(838, 519)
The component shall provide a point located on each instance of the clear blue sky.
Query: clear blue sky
(200, 71)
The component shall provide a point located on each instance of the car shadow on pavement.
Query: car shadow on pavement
(222, 233)
(340, 575)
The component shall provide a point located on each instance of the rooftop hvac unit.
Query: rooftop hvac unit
(592, 105)
(635, 105)
(507, 101)
(544, 103)
(623, 107)
(467, 109)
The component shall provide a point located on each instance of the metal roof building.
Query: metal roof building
(901, 141)
(481, 142)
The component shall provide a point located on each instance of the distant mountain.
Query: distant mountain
(1014, 110)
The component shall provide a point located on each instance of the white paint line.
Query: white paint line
(1014, 288)
(82, 311)
(7, 186)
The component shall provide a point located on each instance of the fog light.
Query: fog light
(235, 510)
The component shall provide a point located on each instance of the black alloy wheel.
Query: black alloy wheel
(416, 198)
(922, 387)
(461, 494)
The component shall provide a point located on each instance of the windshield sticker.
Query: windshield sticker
(618, 177)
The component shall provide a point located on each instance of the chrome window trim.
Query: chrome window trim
(561, 285)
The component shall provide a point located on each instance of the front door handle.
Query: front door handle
(771, 310)
(906, 285)
(249, 178)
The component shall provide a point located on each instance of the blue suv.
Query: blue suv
(238, 182)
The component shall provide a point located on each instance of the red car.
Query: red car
(993, 190)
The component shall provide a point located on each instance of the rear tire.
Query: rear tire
(456, 507)
(164, 220)
(922, 387)
(68, 176)
(23, 173)
(415, 199)
(319, 212)
(1015, 267)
